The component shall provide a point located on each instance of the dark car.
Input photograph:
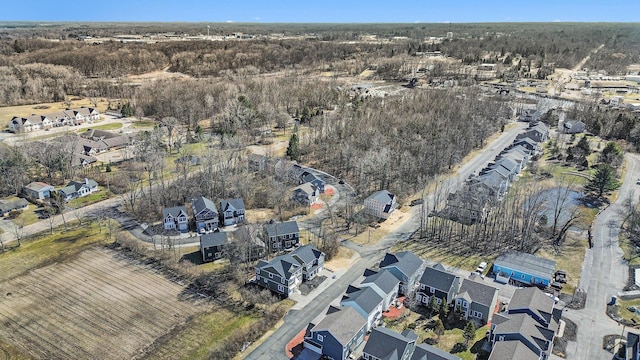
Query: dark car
(341, 182)
(417, 202)
(556, 286)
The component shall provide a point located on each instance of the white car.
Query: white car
(481, 267)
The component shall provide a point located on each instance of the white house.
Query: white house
(381, 204)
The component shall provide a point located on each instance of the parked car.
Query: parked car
(417, 202)
(481, 267)
(556, 286)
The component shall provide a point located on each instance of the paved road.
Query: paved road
(274, 346)
(604, 273)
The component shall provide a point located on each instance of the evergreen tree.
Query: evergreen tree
(603, 180)
(469, 332)
(444, 309)
(292, 150)
(127, 110)
(611, 154)
(433, 305)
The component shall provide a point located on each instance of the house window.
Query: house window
(432, 290)
(419, 298)
(500, 338)
(522, 276)
(257, 271)
(464, 304)
(281, 288)
(282, 280)
(512, 273)
(320, 337)
(270, 276)
(257, 277)
(422, 286)
(477, 314)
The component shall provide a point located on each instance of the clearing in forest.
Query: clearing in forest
(100, 305)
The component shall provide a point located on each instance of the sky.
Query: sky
(322, 11)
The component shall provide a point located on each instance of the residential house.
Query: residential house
(338, 334)
(305, 194)
(318, 183)
(633, 346)
(388, 344)
(232, 211)
(205, 214)
(381, 204)
(37, 191)
(285, 272)
(573, 127)
(212, 246)
(175, 218)
(531, 145)
(538, 132)
(530, 115)
(7, 207)
(282, 236)
(530, 319)
(522, 328)
(507, 164)
(436, 281)
(281, 275)
(476, 300)
(30, 123)
(406, 267)
(366, 301)
(468, 205)
(58, 118)
(512, 350)
(496, 182)
(77, 189)
(88, 113)
(522, 268)
(311, 259)
(537, 305)
(384, 283)
(427, 352)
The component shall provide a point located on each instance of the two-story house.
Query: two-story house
(436, 281)
(314, 180)
(205, 214)
(282, 236)
(381, 204)
(284, 273)
(366, 301)
(530, 319)
(212, 246)
(388, 344)
(406, 267)
(633, 346)
(384, 283)
(476, 300)
(337, 334)
(175, 218)
(232, 211)
(305, 194)
(280, 275)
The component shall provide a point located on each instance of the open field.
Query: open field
(98, 305)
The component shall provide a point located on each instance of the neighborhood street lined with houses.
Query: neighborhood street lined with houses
(311, 192)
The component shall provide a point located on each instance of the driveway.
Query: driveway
(604, 273)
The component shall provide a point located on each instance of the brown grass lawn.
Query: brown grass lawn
(8, 112)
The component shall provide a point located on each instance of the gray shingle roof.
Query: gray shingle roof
(528, 328)
(386, 344)
(383, 280)
(306, 188)
(632, 345)
(436, 277)
(278, 229)
(238, 204)
(202, 203)
(306, 254)
(533, 299)
(281, 265)
(174, 211)
(477, 292)
(343, 324)
(512, 350)
(507, 163)
(406, 261)
(366, 298)
(428, 352)
(382, 196)
(527, 263)
(213, 239)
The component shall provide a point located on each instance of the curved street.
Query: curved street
(604, 273)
